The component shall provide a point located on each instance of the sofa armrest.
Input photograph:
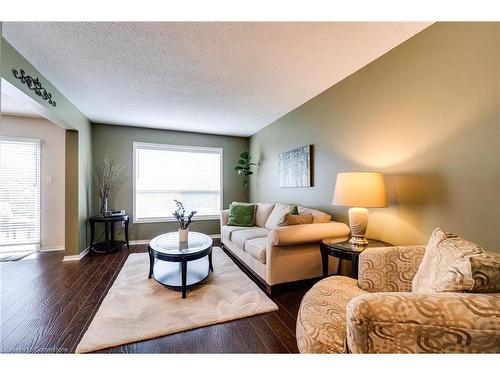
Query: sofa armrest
(306, 233)
(424, 323)
(224, 217)
(389, 269)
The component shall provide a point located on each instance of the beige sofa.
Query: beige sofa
(381, 312)
(283, 254)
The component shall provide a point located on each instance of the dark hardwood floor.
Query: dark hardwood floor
(47, 304)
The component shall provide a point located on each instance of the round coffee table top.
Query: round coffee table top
(168, 244)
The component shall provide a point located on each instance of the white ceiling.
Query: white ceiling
(14, 102)
(213, 77)
(14, 107)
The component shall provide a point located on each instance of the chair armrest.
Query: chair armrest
(424, 323)
(306, 233)
(389, 269)
(224, 217)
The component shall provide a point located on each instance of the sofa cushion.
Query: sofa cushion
(262, 213)
(256, 247)
(241, 236)
(277, 217)
(453, 264)
(241, 214)
(291, 219)
(227, 230)
(318, 216)
(321, 322)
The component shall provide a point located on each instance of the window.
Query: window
(162, 173)
(19, 193)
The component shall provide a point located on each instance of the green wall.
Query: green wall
(427, 115)
(66, 115)
(117, 142)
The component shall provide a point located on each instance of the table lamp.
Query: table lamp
(359, 190)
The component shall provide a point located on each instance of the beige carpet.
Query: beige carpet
(136, 308)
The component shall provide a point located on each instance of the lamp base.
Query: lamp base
(358, 221)
(358, 241)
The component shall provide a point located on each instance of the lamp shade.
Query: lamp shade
(360, 189)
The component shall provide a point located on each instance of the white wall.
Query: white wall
(52, 166)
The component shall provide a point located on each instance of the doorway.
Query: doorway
(32, 180)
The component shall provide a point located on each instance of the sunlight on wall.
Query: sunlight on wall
(396, 226)
(383, 144)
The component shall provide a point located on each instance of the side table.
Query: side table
(345, 250)
(109, 244)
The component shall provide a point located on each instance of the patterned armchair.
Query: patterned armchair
(379, 313)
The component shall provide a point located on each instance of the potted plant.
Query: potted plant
(244, 167)
(106, 178)
(184, 222)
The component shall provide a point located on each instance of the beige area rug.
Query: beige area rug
(137, 309)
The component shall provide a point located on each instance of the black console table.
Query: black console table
(109, 244)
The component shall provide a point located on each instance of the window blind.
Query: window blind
(162, 173)
(19, 192)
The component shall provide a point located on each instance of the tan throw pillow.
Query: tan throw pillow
(318, 216)
(453, 264)
(277, 217)
(291, 219)
(262, 213)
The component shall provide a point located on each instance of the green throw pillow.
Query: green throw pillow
(241, 214)
(294, 210)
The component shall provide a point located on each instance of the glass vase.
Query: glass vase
(103, 205)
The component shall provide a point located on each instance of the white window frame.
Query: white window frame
(34, 245)
(168, 147)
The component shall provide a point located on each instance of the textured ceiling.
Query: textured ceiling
(221, 78)
(15, 102)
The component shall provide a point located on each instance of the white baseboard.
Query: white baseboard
(139, 242)
(76, 257)
(52, 248)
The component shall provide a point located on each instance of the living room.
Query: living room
(250, 187)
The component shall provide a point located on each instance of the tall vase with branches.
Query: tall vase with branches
(107, 177)
(244, 167)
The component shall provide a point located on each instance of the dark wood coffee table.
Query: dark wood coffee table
(180, 264)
